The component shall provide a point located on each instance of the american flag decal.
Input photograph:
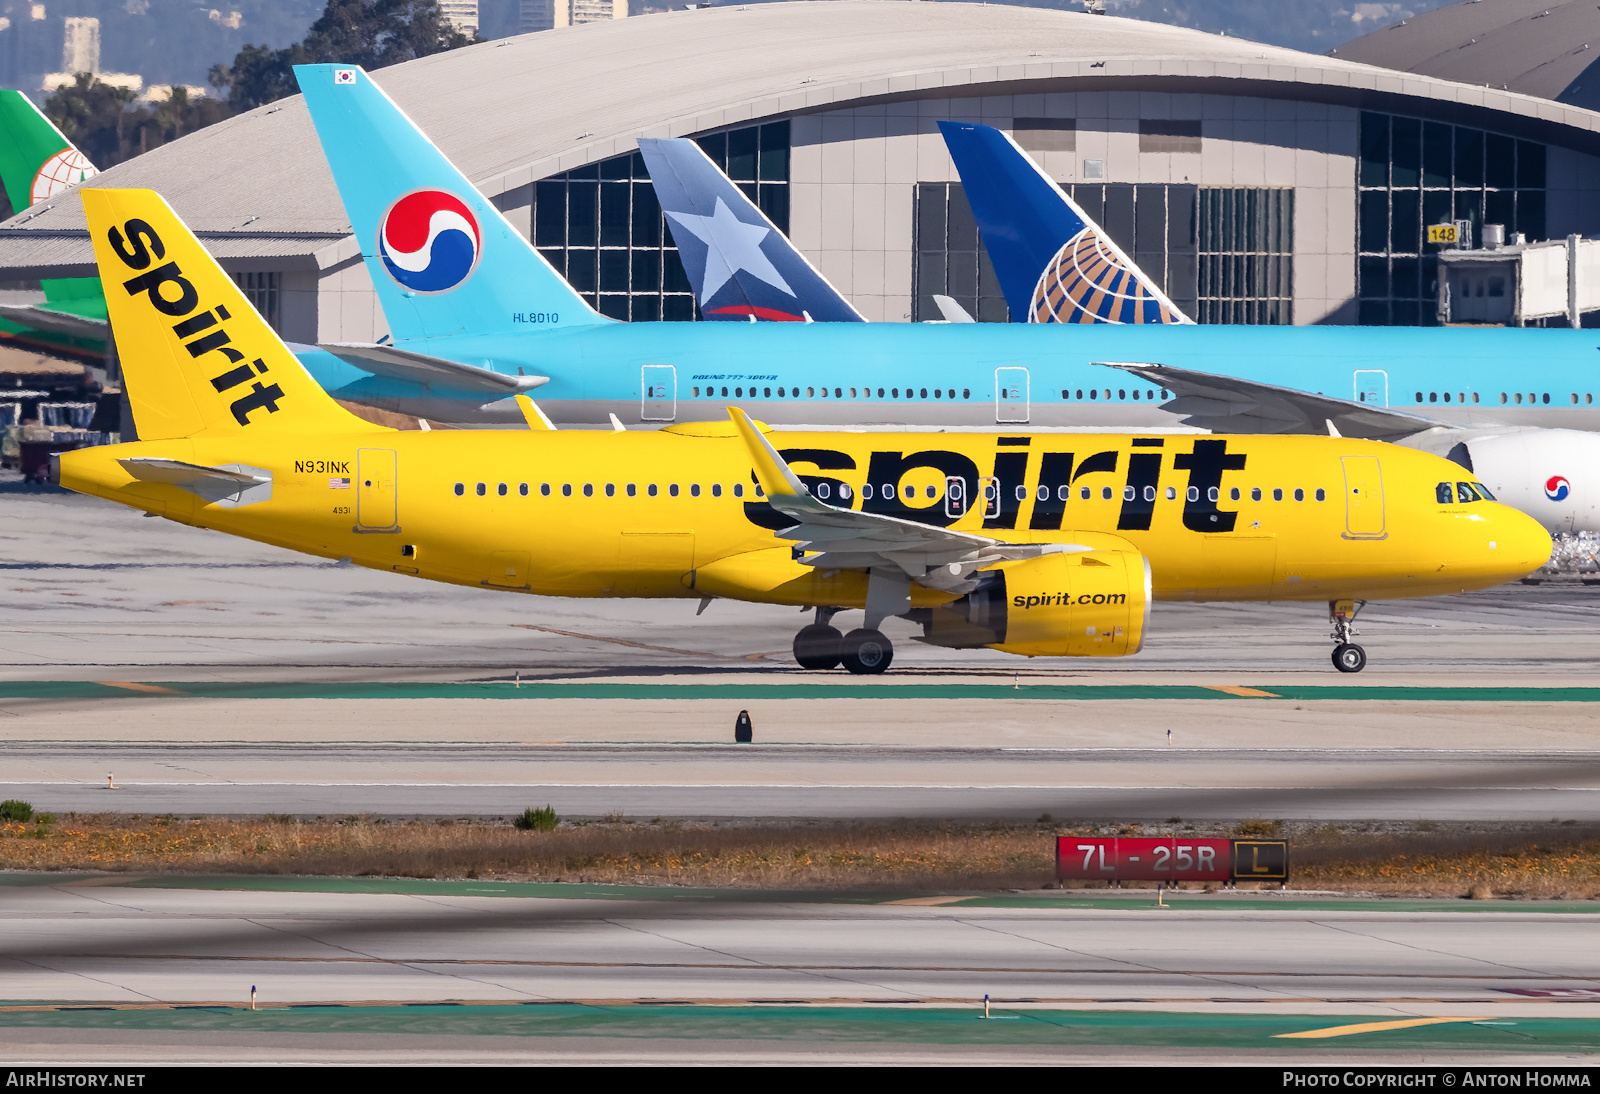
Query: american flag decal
(338, 484)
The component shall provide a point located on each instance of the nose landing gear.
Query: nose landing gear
(866, 651)
(1347, 656)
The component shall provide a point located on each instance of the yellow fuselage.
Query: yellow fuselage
(675, 512)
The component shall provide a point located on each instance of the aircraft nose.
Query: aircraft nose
(1522, 544)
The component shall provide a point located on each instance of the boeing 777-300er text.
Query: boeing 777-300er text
(1040, 544)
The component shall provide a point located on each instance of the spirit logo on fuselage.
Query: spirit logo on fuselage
(1060, 478)
(138, 245)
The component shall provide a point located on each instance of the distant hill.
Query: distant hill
(165, 41)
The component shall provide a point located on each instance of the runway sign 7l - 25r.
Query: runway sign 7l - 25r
(1090, 858)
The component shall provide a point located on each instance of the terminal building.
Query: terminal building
(1256, 184)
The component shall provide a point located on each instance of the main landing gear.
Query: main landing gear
(865, 651)
(1347, 656)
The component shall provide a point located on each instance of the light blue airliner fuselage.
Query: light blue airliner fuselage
(865, 373)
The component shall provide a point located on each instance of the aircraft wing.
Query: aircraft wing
(56, 322)
(211, 483)
(741, 266)
(421, 368)
(1228, 404)
(850, 539)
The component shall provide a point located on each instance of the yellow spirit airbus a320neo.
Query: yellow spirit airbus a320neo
(1048, 544)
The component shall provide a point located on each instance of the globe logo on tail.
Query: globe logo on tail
(1556, 488)
(1087, 283)
(429, 241)
(67, 167)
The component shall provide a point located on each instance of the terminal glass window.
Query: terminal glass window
(1246, 256)
(602, 227)
(950, 258)
(261, 289)
(1416, 173)
(1221, 255)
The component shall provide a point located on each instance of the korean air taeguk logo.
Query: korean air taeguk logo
(429, 241)
(1557, 488)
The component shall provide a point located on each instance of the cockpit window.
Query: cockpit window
(1465, 492)
(1443, 490)
(1483, 491)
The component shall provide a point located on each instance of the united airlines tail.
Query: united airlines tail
(442, 258)
(741, 266)
(1055, 265)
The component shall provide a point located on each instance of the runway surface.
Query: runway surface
(209, 674)
(807, 781)
(1111, 970)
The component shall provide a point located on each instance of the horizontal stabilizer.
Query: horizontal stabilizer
(421, 368)
(1229, 404)
(952, 312)
(210, 483)
(56, 322)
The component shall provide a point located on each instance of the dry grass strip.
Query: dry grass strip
(1422, 859)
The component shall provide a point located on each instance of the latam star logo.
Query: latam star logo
(1557, 488)
(429, 241)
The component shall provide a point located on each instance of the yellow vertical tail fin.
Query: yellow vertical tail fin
(197, 358)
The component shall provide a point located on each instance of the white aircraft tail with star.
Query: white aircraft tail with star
(741, 266)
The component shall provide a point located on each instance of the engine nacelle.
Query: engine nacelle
(1081, 604)
(1553, 475)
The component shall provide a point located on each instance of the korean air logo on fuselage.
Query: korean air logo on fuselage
(1556, 488)
(429, 241)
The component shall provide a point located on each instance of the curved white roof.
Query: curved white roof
(515, 110)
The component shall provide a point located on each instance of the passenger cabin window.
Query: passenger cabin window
(522, 488)
(1255, 493)
(611, 490)
(633, 491)
(1322, 495)
(481, 490)
(461, 488)
(501, 490)
(651, 490)
(566, 490)
(673, 490)
(544, 490)
(1277, 494)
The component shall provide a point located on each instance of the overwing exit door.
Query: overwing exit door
(1372, 387)
(659, 384)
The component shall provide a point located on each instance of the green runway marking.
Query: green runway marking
(747, 692)
(942, 1025)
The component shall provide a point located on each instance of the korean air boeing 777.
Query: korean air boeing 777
(477, 315)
